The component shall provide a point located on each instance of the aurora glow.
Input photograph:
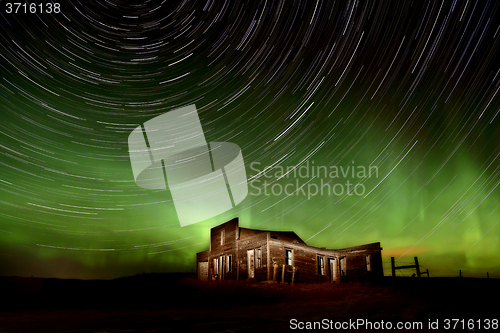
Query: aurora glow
(411, 88)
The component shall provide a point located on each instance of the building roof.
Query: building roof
(291, 237)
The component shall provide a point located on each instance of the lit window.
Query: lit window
(321, 265)
(216, 265)
(259, 258)
(368, 263)
(222, 236)
(289, 257)
(228, 263)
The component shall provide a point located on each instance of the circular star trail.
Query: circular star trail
(358, 122)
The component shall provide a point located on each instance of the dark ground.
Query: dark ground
(179, 303)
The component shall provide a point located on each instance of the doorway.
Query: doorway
(332, 264)
(251, 264)
(343, 270)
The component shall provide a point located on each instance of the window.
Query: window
(343, 270)
(216, 265)
(321, 265)
(251, 263)
(368, 263)
(289, 257)
(222, 236)
(228, 263)
(333, 265)
(259, 257)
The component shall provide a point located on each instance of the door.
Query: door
(251, 264)
(332, 264)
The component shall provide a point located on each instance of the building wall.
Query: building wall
(253, 243)
(202, 257)
(357, 263)
(304, 259)
(222, 246)
(230, 230)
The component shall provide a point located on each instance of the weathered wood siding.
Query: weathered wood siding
(230, 230)
(203, 256)
(356, 262)
(350, 264)
(304, 258)
(202, 270)
(254, 242)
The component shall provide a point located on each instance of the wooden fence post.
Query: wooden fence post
(417, 267)
(393, 269)
(293, 274)
(283, 275)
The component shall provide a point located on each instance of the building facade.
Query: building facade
(240, 253)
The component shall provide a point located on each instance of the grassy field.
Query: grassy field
(179, 303)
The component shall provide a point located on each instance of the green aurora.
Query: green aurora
(411, 89)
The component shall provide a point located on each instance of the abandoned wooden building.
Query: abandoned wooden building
(240, 253)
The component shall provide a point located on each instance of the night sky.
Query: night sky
(409, 88)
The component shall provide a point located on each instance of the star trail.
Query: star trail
(409, 89)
